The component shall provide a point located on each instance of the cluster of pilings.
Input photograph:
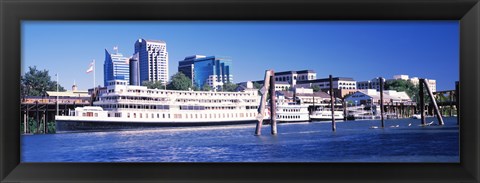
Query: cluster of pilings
(399, 109)
(268, 87)
(43, 112)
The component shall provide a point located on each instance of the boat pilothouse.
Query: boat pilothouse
(289, 110)
(121, 105)
(324, 112)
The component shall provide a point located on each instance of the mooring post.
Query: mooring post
(28, 116)
(422, 102)
(435, 106)
(332, 102)
(46, 116)
(313, 106)
(56, 108)
(457, 102)
(380, 79)
(25, 122)
(344, 105)
(261, 109)
(44, 123)
(273, 106)
(38, 116)
(450, 96)
(402, 114)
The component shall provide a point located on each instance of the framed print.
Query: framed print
(239, 91)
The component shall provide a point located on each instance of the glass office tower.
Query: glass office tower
(213, 71)
(115, 67)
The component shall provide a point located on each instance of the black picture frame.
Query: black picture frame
(13, 12)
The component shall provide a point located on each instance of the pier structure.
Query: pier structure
(451, 103)
(44, 109)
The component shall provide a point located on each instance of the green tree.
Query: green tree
(180, 82)
(229, 87)
(257, 85)
(195, 88)
(206, 87)
(153, 84)
(408, 87)
(37, 83)
(316, 88)
(402, 85)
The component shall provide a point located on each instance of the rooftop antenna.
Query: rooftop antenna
(115, 48)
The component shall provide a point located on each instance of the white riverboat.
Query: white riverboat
(324, 112)
(417, 116)
(123, 106)
(288, 111)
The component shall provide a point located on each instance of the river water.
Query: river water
(353, 141)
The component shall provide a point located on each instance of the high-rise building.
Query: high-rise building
(213, 71)
(115, 67)
(187, 66)
(153, 60)
(134, 71)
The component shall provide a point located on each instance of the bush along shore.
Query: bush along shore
(34, 127)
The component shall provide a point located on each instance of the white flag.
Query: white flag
(90, 67)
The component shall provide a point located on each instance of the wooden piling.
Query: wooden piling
(380, 80)
(261, 112)
(25, 123)
(457, 101)
(435, 106)
(44, 122)
(332, 103)
(37, 113)
(273, 108)
(344, 105)
(28, 126)
(402, 110)
(451, 103)
(422, 102)
(56, 107)
(46, 116)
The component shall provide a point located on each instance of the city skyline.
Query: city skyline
(359, 49)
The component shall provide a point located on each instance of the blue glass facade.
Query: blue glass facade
(211, 70)
(115, 67)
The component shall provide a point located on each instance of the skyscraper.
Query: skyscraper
(187, 66)
(153, 60)
(213, 71)
(115, 66)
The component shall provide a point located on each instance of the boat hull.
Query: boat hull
(325, 118)
(67, 126)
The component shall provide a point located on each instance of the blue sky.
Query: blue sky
(358, 49)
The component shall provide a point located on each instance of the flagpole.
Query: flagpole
(57, 93)
(94, 75)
